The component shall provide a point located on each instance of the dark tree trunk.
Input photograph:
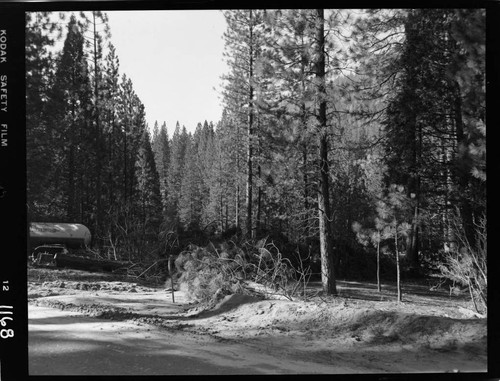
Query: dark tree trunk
(463, 171)
(237, 207)
(379, 286)
(398, 270)
(70, 208)
(221, 211)
(326, 247)
(111, 148)
(307, 206)
(325, 236)
(412, 239)
(259, 202)
(237, 188)
(99, 148)
(125, 169)
(71, 183)
(227, 215)
(249, 185)
(258, 217)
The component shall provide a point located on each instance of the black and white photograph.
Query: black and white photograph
(253, 191)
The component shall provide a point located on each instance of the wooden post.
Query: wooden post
(379, 286)
(170, 273)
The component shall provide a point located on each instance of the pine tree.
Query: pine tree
(176, 172)
(467, 72)
(215, 210)
(96, 30)
(40, 160)
(148, 196)
(392, 211)
(325, 234)
(411, 111)
(224, 181)
(132, 121)
(190, 198)
(424, 125)
(92, 126)
(287, 70)
(205, 163)
(243, 38)
(67, 111)
(111, 130)
(161, 149)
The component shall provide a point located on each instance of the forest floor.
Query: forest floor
(359, 331)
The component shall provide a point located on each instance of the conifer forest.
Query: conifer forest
(352, 143)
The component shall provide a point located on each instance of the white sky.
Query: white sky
(174, 59)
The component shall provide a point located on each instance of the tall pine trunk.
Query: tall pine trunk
(221, 211)
(398, 270)
(305, 179)
(258, 222)
(237, 190)
(125, 169)
(379, 285)
(99, 148)
(237, 207)
(412, 239)
(71, 167)
(258, 217)
(447, 230)
(249, 185)
(325, 236)
(326, 247)
(304, 117)
(463, 170)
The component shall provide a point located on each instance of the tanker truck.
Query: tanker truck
(64, 245)
(50, 239)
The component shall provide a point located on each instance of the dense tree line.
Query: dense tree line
(365, 119)
(89, 152)
(340, 128)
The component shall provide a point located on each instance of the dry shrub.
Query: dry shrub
(466, 263)
(277, 273)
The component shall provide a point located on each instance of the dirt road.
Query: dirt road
(81, 324)
(69, 343)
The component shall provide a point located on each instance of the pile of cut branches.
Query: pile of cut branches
(207, 273)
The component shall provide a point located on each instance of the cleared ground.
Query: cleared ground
(361, 331)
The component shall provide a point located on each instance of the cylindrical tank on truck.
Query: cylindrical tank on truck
(70, 235)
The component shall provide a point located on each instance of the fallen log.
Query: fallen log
(88, 264)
